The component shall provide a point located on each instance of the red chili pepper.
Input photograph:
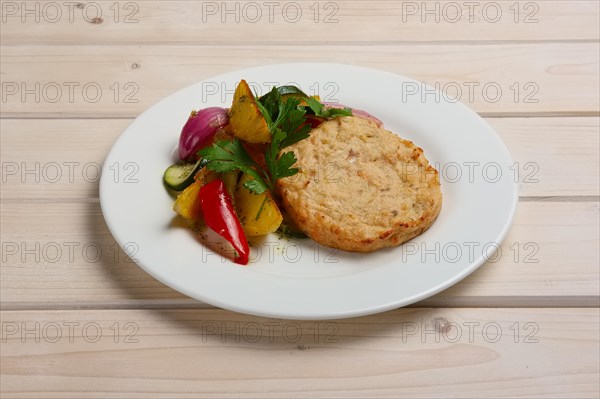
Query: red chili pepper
(219, 215)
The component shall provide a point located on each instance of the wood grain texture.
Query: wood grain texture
(63, 256)
(555, 156)
(80, 320)
(122, 81)
(51, 159)
(304, 21)
(416, 353)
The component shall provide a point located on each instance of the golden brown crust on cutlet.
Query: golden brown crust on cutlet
(360, 187)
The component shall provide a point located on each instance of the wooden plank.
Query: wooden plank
(304, 21)
(61, 255)
(49, 159)
(55, 158)
(541, 353)
(122, 81)
(554, 156)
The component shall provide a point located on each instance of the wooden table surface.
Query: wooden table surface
(79, 319)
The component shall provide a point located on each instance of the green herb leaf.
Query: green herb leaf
(256, 186)
(334, 112)
(315, 105)
(229, 155)
(270, 103)
(264, 112)
(321, 111)
(298, 135)
(283, 166)
(286, 130)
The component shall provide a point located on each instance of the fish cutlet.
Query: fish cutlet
(360, 187)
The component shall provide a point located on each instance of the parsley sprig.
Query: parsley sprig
(229, 155)
(319, 109)
(287, 122)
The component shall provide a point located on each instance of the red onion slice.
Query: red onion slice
(199, 130)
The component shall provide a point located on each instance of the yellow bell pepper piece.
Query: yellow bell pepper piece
(258, 213)
(187, 203)
(245, 119)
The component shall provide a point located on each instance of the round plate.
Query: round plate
(298, 279)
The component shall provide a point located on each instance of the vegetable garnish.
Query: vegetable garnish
(230, 155)
(258, 213)
(220, 216)
(287, 123)
(322, 111)
(179, 176)
(199, 129)
(250, 137)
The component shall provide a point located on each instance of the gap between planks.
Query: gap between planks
(349, 43)
(491, 302)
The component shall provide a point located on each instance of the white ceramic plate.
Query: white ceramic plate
(298, 279)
